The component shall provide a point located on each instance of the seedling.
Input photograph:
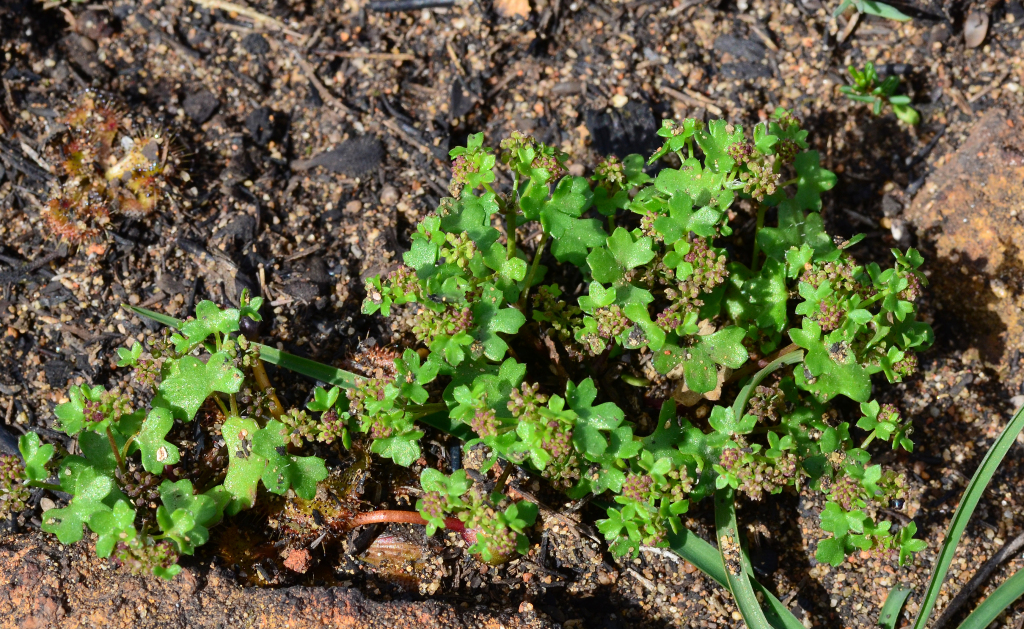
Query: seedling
(108, 169)
(867, 89)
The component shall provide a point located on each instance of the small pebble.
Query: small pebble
(46, 504)
(353, 206)
(619, 101)
(389, 195)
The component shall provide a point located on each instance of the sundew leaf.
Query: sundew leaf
(194, 381)
(209, 319)
(285, 470)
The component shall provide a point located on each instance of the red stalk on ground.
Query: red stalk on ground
(390, 516)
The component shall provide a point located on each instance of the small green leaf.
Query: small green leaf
(285, 470)
(402, 449)
(36, 455)
(209, 319)
(812, 180)
(245, 467)
(715, 141)
(129, 357)
(193, 382)
(156, 450)
(113, 527)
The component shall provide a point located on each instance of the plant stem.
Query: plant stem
(117, 451)
(791, 182)
(42, 485)
(762, 363)
(263, 381)
(869, 439)
(234, 405)
(533, 269)
(391, 516)
(223, 408)
(510, 230)
(500, 483)
(757, 246)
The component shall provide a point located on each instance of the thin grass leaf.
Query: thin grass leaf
(737, 566)
(882, 9)
(965, 509)
(894, 602)
(740, 404)
(443, 422)
(307, 367)
(1004, 596)
(155, 316)
(706, 558)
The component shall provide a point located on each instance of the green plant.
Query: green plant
(872, 7)
(150, 491)
(867, 89)
(662, 312)
(660, 300)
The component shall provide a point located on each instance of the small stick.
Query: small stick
(391, 6)
(691, 101)
(991, 86)
(324, 93)
(358, 54)
(252, 14)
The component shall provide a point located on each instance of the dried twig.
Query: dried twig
(691, 100)
(388, 6)
(252, 14)
(359, 54)
(991, 86)
(325, 94)
(647, 583)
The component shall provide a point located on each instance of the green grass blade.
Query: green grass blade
(737, 566)
(706, 558)
(443, 422)
(155, 316)
(307, 367)
(740, 405)
(882, 9)
(1004, 596)
(890, 613)
(964, 511)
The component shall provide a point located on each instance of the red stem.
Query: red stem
(389, 516)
